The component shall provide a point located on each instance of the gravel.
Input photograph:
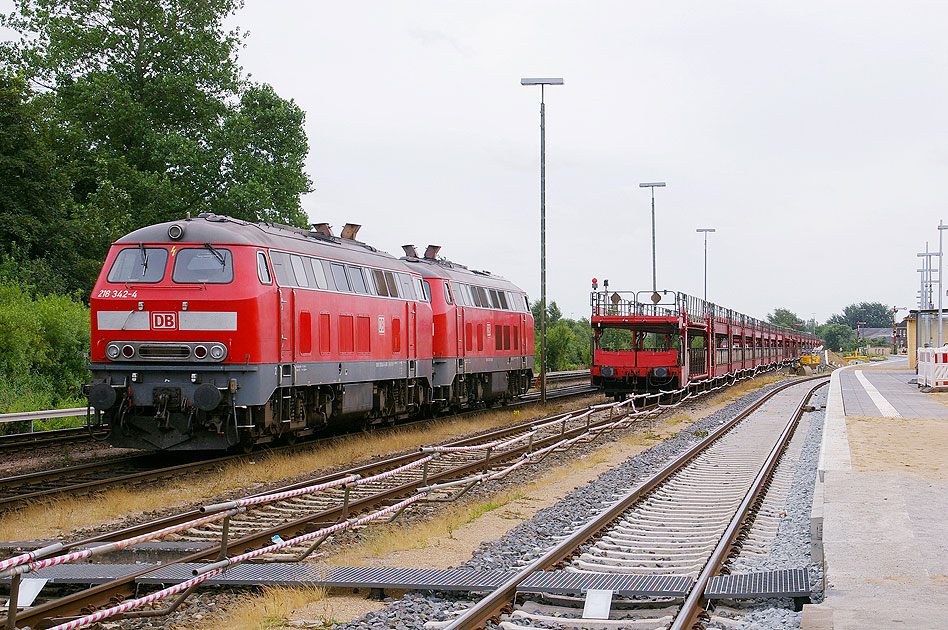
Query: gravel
(532, 538)
(791, 546)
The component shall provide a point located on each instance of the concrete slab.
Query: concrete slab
(885, 554)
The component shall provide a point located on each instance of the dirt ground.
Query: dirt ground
(916, 446)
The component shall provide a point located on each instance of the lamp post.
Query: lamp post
(705, 231)
(941, 265)
(925, 298)
(653, 186)
(542, 83)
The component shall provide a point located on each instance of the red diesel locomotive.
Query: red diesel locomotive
(675, 341)
(211, 333)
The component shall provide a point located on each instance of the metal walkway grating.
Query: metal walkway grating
(624, 584)
(286, 574)
(782, 583)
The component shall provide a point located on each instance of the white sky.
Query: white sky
(812, 135)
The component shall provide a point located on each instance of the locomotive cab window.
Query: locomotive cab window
(447, 294)
(263, 272)
(207, 265)
(139, 264)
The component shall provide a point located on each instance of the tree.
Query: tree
(784, 317)
(874, 314)
(151, 119)
(837, 336)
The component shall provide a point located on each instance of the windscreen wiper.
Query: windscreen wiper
(141, 247)
(217, 254)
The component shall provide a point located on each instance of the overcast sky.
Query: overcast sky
(811, 135)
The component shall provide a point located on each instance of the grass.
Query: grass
(60, 516)
(269, 608)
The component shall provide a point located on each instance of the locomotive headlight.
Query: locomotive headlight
(128, 351)
(660, 372)
(112, 351)
(200, 352)
(217, 352)
(606, 371)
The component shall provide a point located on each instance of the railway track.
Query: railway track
(683, 522)
(385, 487)
(387, 483)
(137, 469)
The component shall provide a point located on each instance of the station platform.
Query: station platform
(881, 499)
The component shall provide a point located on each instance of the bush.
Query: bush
(44, 344)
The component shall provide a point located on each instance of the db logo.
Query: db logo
(164, 321)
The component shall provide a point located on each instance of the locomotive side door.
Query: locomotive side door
(460, 330)
(287, 339)
(522, 333)
(410, 331)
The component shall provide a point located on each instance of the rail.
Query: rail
(525, 448)
(491, 605)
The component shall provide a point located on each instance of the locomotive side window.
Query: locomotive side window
(421, 289)
(207, 265)
(379, 277)
(299, 271)
(466, 290)
(498, 336)
(319, 273)
(447, 294)
(281, 268)
(407, 291)
(263, 272)
(469, 334)
(357, 280)
(516, 337)
(506, 337)
(339, 277)
(369, 281)
(391, 284)
(503, 300)
(139, 264)
(526, 304)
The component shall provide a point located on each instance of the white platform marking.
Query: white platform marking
(885, 407)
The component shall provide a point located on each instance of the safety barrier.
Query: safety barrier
(933, 367)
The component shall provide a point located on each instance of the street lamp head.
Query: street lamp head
(652, 185)
(535, 81)
(705, 230)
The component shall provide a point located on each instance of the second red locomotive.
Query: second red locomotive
(212, 332)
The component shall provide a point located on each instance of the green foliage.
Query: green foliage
(784, 317)
(837, 336)
(115, 115)
(567, 340)
(44, 342)
(875, 314)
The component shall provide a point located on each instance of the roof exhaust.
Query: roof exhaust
(432, 252)
(410, 251)
(350, 230)
(323, 228)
